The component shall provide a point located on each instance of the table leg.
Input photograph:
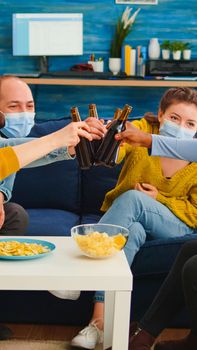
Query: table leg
(108, 318)
(117, 320)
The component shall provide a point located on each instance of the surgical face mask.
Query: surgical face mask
(173, 130)
(18, 124)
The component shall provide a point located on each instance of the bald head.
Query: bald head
(15, 95)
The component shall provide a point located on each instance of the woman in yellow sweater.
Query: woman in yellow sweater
(154, 197)
(16, 157)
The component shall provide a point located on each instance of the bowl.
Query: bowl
(100, 241)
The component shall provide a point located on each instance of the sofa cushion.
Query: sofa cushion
(51, 222)
(52, 186)
(89, 218)
(156, 257)
(96, 182)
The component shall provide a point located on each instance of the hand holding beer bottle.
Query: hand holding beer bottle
(107, 152)
(84, 151)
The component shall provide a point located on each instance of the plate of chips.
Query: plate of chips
(24, 248)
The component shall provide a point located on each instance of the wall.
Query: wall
(173, 20)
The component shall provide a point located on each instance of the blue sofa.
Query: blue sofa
(57, 197)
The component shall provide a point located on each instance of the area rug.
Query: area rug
(34, 345)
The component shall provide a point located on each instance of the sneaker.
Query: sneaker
(66, 294)
(88, 337)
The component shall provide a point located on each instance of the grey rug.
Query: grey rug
(33, 345)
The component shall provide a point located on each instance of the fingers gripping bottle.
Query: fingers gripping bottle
(107, 152)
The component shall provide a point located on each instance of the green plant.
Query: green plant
(123, 28)
(176, 46)
(165, 45)
(187, 46)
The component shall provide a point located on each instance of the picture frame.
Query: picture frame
(137, 2)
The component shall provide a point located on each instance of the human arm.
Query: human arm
(2, 212)
(160, 145)
(68, 136)
(16, 157)
(174, 148)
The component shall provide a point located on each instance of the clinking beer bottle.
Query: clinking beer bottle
(93, 113)
(107, 152)
(117, 114)
(83, 150)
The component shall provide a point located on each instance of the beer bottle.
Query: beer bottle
(93, 113)
(84, 152)
(107, 152)
(117, 114)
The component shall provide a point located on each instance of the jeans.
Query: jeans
(145, 218)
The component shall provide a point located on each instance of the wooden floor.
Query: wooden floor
(54, 332)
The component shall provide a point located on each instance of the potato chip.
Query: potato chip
(14, 248)
(97, 244)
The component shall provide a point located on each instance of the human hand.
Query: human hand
(70, 135)
(148, 189)
(2, 212)
(134, 136)
(97, 127)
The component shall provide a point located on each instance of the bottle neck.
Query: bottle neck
(75, 114)
(117, 113)
(125, 113)
(93, 111)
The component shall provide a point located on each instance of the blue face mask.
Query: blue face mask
(18, 124)
(173, 130)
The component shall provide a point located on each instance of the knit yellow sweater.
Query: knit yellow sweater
(179, 193)
(8, 162)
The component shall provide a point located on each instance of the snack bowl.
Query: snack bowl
(100, 241)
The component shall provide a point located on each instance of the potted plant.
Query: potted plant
(123, 28)
(176, 47)
(187, 51)
(165, 47)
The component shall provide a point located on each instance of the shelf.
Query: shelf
(110, 82)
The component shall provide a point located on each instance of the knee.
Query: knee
(17, 215)
(188, 249)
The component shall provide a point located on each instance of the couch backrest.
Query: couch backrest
(54, 186)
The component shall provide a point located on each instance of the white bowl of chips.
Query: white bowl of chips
(100, 241)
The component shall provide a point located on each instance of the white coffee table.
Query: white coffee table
(65, 268)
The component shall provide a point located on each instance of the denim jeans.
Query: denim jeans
(145, 218)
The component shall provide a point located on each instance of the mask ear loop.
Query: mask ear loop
(2, 120)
